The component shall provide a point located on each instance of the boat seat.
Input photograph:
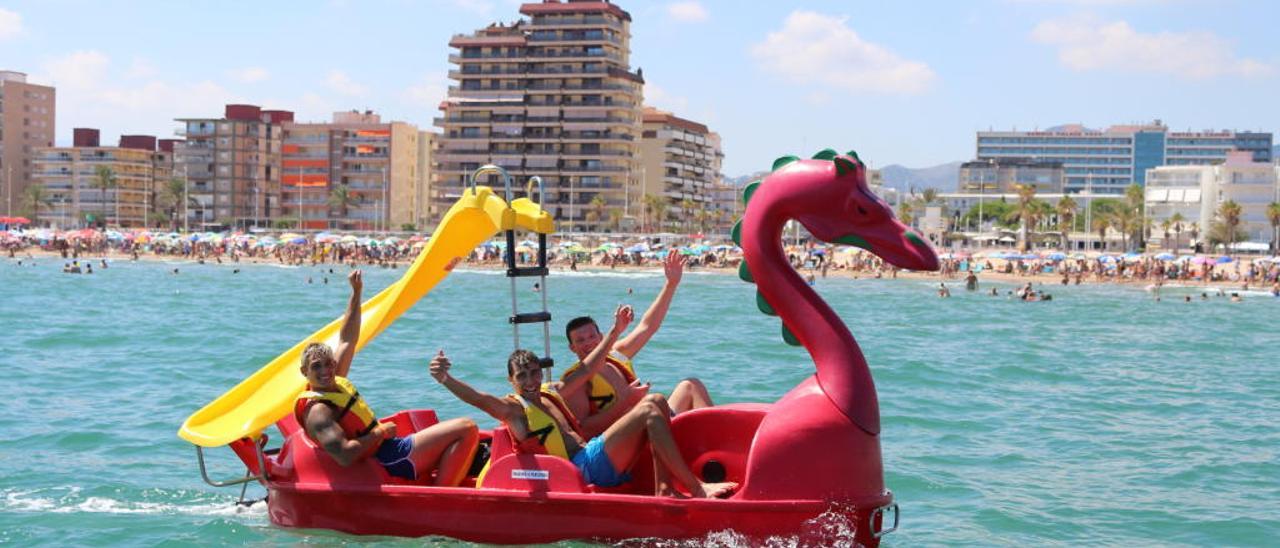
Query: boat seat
(509, 469)
(300, 459)
(716, 441)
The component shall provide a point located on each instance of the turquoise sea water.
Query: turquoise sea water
(1101, 417)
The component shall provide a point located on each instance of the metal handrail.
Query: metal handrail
(542, 191)
(260, 476)
(490, 168)
(880, 512)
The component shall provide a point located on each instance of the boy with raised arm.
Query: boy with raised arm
(541, 422)
(610, 394)
(337, 419)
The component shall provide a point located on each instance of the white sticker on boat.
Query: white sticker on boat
(530, 474)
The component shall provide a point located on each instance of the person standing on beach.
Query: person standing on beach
(335, 416)
(609, 395)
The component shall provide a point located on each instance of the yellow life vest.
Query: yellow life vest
(354, 416)
(544, 433)
(600, 394)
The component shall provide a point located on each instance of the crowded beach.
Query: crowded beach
(76, 248)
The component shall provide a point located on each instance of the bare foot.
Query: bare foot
(718, 490)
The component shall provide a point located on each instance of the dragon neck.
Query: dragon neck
(842, 371)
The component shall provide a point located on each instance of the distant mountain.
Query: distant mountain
(944, 177)
(742, 180)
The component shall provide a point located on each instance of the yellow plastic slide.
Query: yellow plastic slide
(268, 395)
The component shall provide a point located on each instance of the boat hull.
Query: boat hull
(514, 517)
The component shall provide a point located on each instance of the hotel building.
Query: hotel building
(26, 123)
(232, 165)
(1107, 161)
(374, 163)
(999, 176)
(70, 177)
(1196, 193)
(681, 162)
(552, 96)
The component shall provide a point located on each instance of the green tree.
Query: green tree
(596, 210)
(1229, 216)
(1066, 210)
(615, 218)
(35, 197)
(686, 212)
(1273, 216)
(1135, 201)
(656, 209)
(174, 195)
(1177, 219)
(104, 178)
(1166, 226)
(1101, 223)
(904, 213)
(1026, 212)
(342, 198)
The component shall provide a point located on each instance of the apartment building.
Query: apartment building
(681, 162)
(232, 164)
(27, 116)
(1107, 161)
(1001, 175)
(78, 193)
(553, 96)
(354, 172)
(1195, 193)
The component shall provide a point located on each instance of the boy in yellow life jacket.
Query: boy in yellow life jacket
(336, 418)
(540, 421)
(611, 393)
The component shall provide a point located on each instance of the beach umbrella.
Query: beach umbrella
(638, 248)
(298, 240)
(287, 236)
(1056, 256)
(1107, 259)
(391, 240)
(1201, 260)
(1165, 257)
(529, 243)
(349, 239)
(1224, 259)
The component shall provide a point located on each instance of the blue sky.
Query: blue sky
(901, 82)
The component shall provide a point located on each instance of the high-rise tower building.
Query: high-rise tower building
(26, 122)
(551, 96)
(232, 165)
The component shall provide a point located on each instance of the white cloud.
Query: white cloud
(141, 68)
(90, 94)
(81, 69)
(426, 93)
(821, 49)
(10, 24)
(339, 81)
(250, 75)
(658, 97)
(1086, 43)
(687, 12)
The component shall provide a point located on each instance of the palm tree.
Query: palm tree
(1135, 199)
(104, 178)
(1195, 231)
(655, 209)
(1025, 211)
(1177, 221)
(34, 197)
(1165, 225)
(1066, 210)
(172, 196)
(598, 209)
(615, 218)
(342, 198)
(1125, 219)
(1101, 223)
(928, 196)
(904, 213)
(686, 211)
(1230, 212)
(1273, 215)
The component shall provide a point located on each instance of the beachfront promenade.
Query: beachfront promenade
(641, 251)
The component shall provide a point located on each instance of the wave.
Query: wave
(73, 503)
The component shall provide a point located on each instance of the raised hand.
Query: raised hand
(440, 367)
(356, 278)
(673, 266)
(622, 317)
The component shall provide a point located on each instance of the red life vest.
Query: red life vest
(354, 416)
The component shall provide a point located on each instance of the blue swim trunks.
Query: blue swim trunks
(593, 462)
(393, 455)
